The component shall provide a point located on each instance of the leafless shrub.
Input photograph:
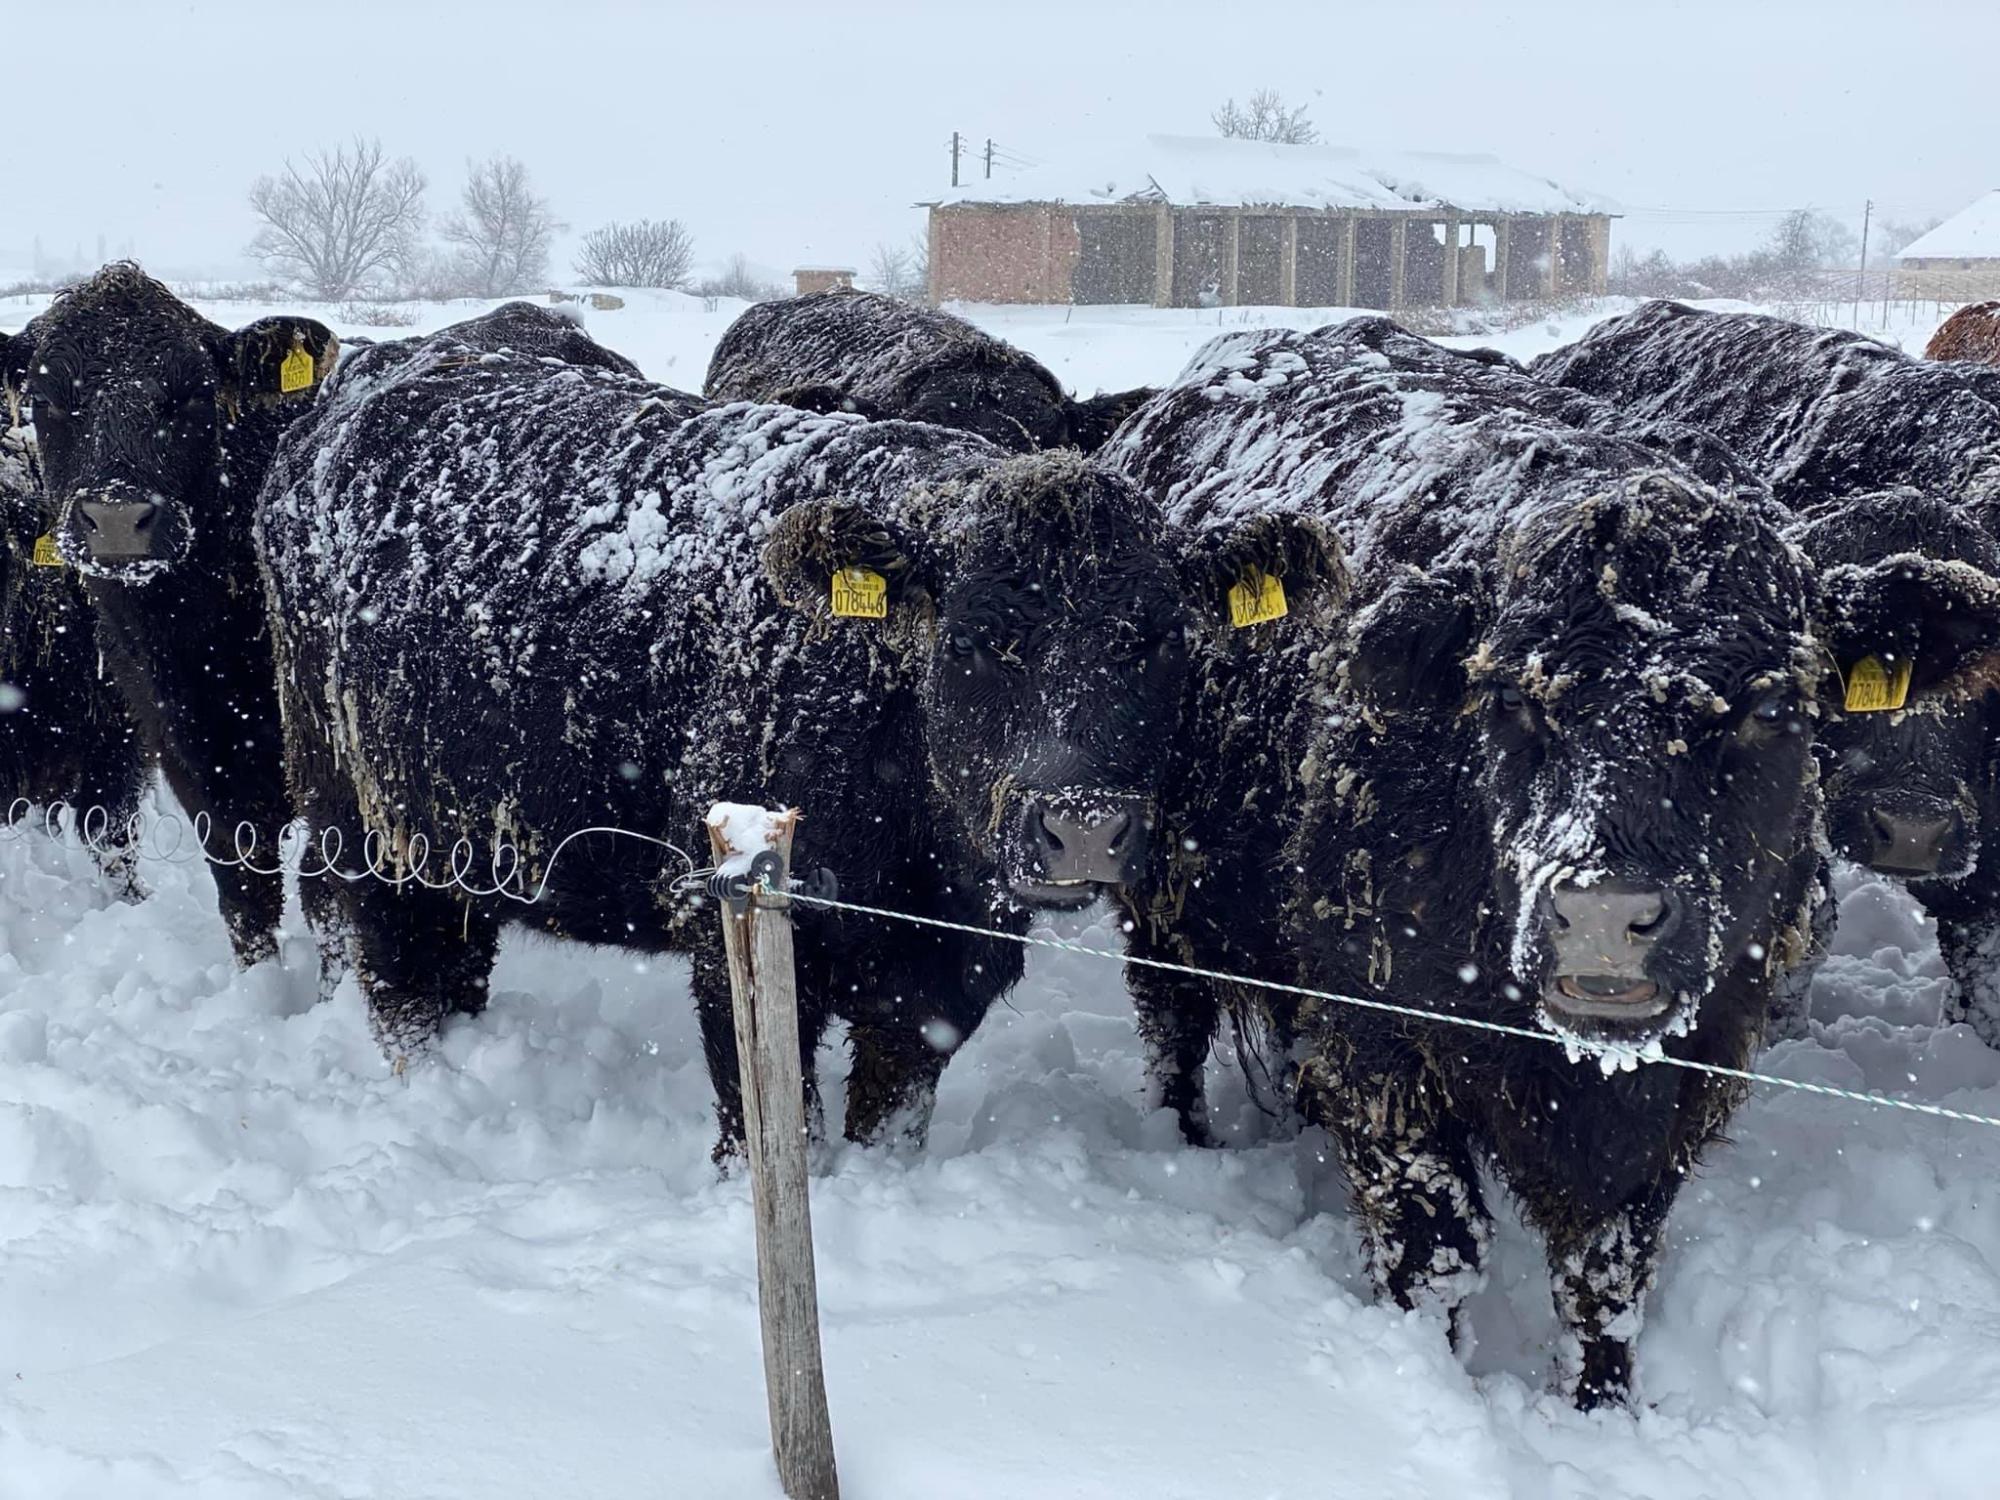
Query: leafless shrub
(902, 271)
(501, 231)
(339, 220)
(644, 252)
(1265, 118)
(739, 280)
(377, 315)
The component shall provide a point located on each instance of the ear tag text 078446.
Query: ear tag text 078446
(860, 594)
(1874, 686)
(296, 373)
(46, 555)
(1256, 598)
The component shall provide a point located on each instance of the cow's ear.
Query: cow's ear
(1261, 569)
(1930, 626)
(1091, 422)
(1407, 649)
(837, 555)
(276, 359)
(825, 398)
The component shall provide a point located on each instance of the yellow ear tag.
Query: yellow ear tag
(860, 593)
(46, 555)
(1874, 688)
(1257, 597)
(296, 373)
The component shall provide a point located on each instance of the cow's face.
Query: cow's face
(1049, 672)
(135, 398)
(1637, 698)
(1907, 582)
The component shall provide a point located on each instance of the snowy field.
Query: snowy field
(239, 1260)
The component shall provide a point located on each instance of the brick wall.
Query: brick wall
(1003, 252)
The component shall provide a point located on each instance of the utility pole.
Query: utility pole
(1867, 213)
(989, 156)
(954, 158)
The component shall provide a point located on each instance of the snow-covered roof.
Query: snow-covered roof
(1973, 233)
(1192, 169)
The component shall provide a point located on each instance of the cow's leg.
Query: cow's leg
(1602, 1269)
(252, 902)
(916, 1006)
(422, 956)
(1416, 1188)
(107, 801)
(319, 896)
(1177, 1018)
(1970, 946)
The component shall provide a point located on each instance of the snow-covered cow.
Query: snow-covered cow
(64, 733)
(852, 351)
(515, 599)
(154, 427)
(1893, 465)
(1558, 776)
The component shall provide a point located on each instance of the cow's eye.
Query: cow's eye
(1773, 709)
(1511, 698)
(963, 643)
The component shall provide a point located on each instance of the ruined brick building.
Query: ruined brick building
(1192, 221)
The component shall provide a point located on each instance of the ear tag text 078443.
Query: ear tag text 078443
(1874, 686)
(1256, 598)
(296, 373)
(860, 594)
(46, 555)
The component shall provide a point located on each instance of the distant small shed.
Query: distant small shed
(1195, 221)
(810, 279)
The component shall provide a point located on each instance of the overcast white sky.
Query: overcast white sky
(802, 133)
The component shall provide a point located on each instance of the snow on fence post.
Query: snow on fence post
(753, 853)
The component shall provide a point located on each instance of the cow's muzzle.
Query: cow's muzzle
(1605, 937)
(119, 523)
(1914, 840)
(1076, 844)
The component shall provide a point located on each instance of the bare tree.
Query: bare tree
(889, 268)
(739, 280)
(502, 229)
(1266, 119)
(645, 252)
(339, 220)
(1891, 237)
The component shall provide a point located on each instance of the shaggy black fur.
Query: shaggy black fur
(880, 356)
(64, 733)
(144, 409)
(1895, 464)
(515, 599)
(1569, 662)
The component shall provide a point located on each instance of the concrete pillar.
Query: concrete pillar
(1600, 253)
(1399, 244)
(1231, 237)
(1163, 257)
(1502, 259)
(1552, 279)
(1288, 263)
(1346, 287)
(1448, 288)
(934, 259)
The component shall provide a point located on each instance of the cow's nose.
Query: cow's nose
(1902, 842)
(115, 528)
(1610, 927)
(1078, 845)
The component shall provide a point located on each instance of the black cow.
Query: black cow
(64, 733)
(154, 427)
(880, 356)
(515, 599)
(1558, 777)
(1894, 465)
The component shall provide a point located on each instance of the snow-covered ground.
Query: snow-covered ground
(239, 1260)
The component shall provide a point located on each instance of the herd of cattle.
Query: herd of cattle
(1540, 696)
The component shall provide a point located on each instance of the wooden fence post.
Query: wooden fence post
(757, 935)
